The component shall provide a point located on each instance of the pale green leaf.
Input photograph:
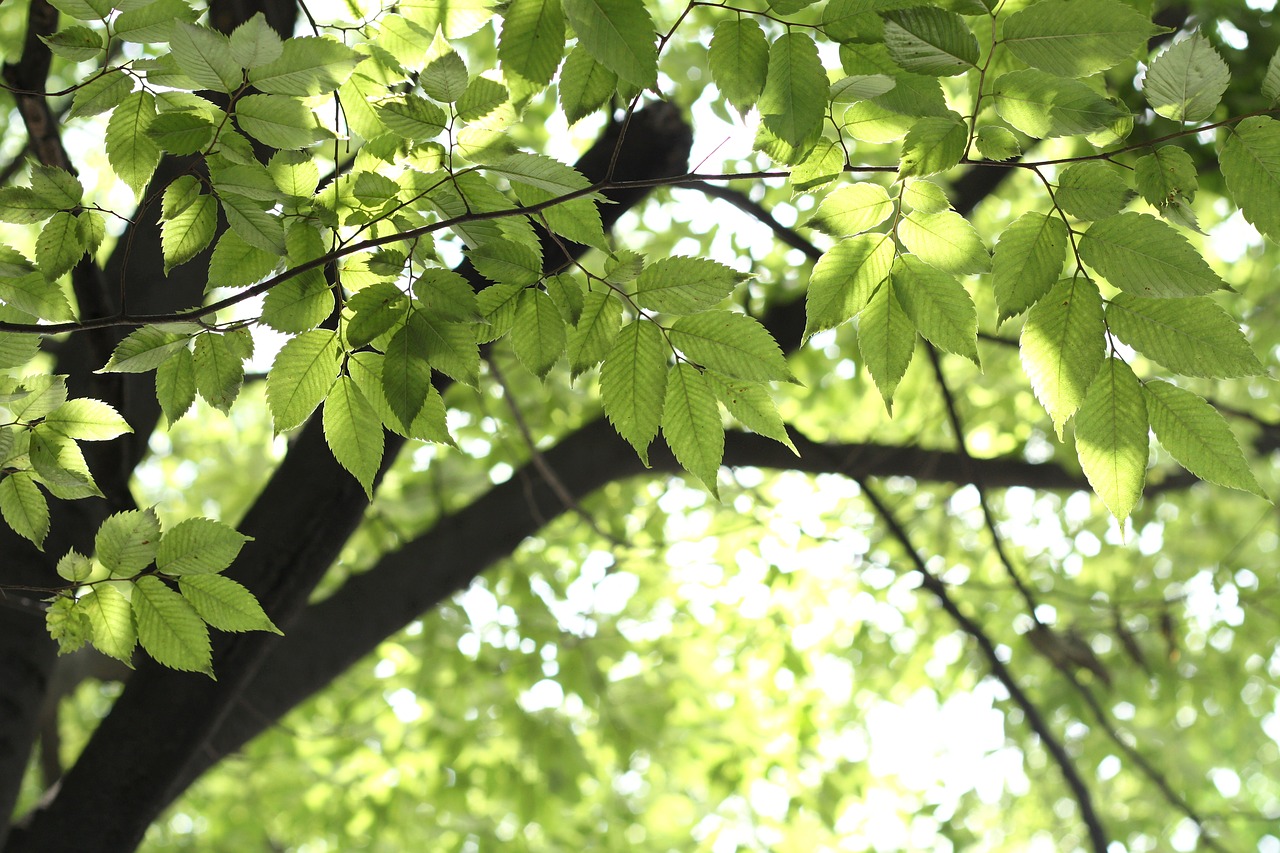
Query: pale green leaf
(538, 335)
(887, 340)
(176, 384)
(219, 371)
(1044, 106)
(169, 628)
(853, 209)
(445, 78)
(85, 419)
(1092, 190)
(308, 65)
(255, 225)
(633, 384)
(152, 22)
(21, 206)
(58, 246)
(225, 604)
(844, 278)
(997, 143)
(353, 431)
(861, 87)
(1250, 162)
(1197, 436)
(931, 146)
(254, 43)
(186, 234)
(566, 292)
(36, 295)
(1193, 336)
(751, 404)
(691, 424)
(406, 373)
(60, 465)
(1186, 81)
(739, 61)
(111, 618)
(199, 546)
(78, 44)
(56, 186)
(1076, 38)
(1142, 255)
(1111, 437)
(126, 542)
(100, 94)
(299, 303)
(733, 344)
(1271, 81)
(236, 263)
(75, 567)
(1063, 344)
(143, 349)
(682, 285)
(133, 154)
(795, 93)
(279, 121)
(204, 55)
(532, 39)
(181, 132)
(928, 40)
(1027, 261)
(591, 338)
(945, 240)
(447, 295)
(539, 171)
(24, 508)
(303, 372)
(430, 422)
(618, 34)
(84, 10)
(449, 347)
(585, 85)
(481, 98)
(412, 117)
(939, 307)
(1165, 176)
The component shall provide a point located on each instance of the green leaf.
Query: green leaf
(887, 340)
(853, 209)
(58, 246)
(60, 465)
(532, 39)
(428, 425)
(739, 61)
(450, 347)
(691, 424)
(377, 308)
(939, 307)
(353, 431)
(681, 285)
(279, 121)
(1197, 436)
(100, 94)
(1271, 81)
(126, 542)
(236, 263)
(633, 384)
(308, 65)
(111, 618)
(591, 338)
(1027, 261)
(256, 226)
(1192, 336)
(538, 335)
(481, 98)
(751, 405)
(861, 87)
(84, 10)
(945, 240)
(997, 143)
(75, 567)
(1250, 162)
(413, 118)
(225, 604)
(57, 186)
(1142, 255)
(303, 372)
(731, 343)
(219, 371)
(1166, 175)
(1092, 190)
(24, 508)
(1044, 106)
(21, 206)
(1111, 437)
(445, 78)
(36, 295)
(619, 35)
(247, 181)
(204, 55)
(927, 40)
(254, 43)
(932, 145)
(497, 306)
(566, 292)
(795, 93)
(85, 419)
(406, 373)
(176, 384)
(1076, 38)
(585, 85)
(78, 44)
(542, 172)
(188, 233)
(143, 349)
(152, 22)
(180, 132)
(132, 153)
(447, 295)
(1062, 347)
(1186, 81)
(169, 628)
(199, 546)
(843, 280)
(300, 303)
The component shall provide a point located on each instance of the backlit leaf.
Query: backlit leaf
(1143, 256)
(1193, 336)
(633, 384)
(1197, 436)
(1111, 437)
(1062, 347)
(691, 424)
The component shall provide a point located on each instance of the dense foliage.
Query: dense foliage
(307, 322)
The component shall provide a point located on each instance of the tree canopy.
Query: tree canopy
(620, 424)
